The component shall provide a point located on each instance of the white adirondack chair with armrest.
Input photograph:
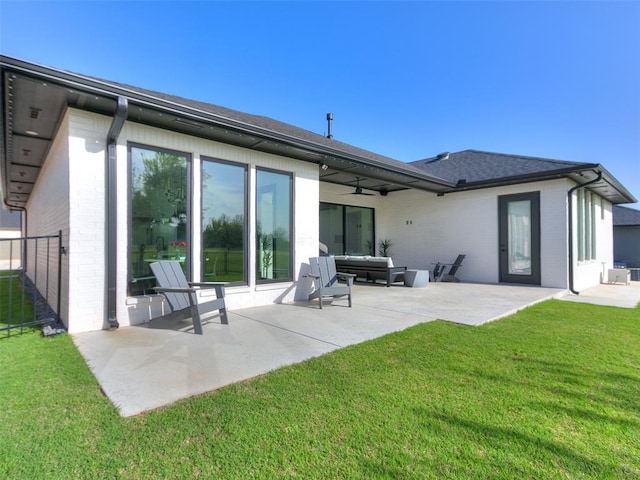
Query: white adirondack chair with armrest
(182, 297)
(323, 272)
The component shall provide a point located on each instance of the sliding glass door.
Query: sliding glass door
(346, 229)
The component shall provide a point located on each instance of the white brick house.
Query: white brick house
(131, 176)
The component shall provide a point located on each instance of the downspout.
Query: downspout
(111, 210)
(570, 221)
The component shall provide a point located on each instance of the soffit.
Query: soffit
(33, 109)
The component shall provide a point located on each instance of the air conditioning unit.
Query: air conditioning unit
(619, 275)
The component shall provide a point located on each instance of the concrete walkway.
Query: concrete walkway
(146, 367)
(611, 294)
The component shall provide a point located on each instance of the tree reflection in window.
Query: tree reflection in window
(223, 218)
(273, 225)
(159, 214)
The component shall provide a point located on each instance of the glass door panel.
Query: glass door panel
(345, 229)
(359, 231)
(519, 235)
(331, 224)
(519, 238)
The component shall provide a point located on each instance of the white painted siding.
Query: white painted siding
(69, 196)
(554, 234)
(48, 213)
(87, 157)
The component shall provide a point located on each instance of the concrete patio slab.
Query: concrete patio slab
(149, 366)
(608, 294)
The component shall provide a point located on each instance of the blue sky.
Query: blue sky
(404, 79)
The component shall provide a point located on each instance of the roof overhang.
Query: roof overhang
(607, 187)
(34, 99)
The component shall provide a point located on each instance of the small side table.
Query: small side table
(416, 278)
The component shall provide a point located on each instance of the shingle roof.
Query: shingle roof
(478, 166)
(625, 216)
(274, 126)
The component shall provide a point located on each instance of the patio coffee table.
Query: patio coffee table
(416, 278)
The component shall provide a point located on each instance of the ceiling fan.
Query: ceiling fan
(358, 190)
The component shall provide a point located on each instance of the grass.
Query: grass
(15, 305)
(551, 392)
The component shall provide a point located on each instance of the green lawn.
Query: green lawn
(15, 305)
(551, 392)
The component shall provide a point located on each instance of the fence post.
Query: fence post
(60, 250)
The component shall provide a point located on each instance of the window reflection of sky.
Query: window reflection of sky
(137, 167)
(273, 201)
(222, 190)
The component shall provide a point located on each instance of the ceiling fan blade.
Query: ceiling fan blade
(359, 190)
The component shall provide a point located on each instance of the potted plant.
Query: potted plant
(266, 251)
(384, 246)
(369, 247)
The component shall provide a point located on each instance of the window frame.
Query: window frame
(246, 200)
(586, 225)
(343, 207)
(188, 207)
(291, 214)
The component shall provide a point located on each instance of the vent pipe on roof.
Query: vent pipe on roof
(329, 120)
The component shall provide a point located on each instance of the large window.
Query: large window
(345, 229)
(273, 226)
(159, 228)
(224, 193)
(586, 225)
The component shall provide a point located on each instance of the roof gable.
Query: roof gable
(472, 169)
(477, 166)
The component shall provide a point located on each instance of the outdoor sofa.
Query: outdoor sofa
(370, 268)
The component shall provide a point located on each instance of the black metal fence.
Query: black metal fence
(30, 282)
